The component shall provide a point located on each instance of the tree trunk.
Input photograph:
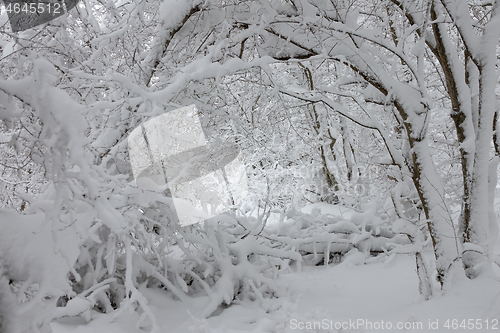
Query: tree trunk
(476, 242)
(439, 220)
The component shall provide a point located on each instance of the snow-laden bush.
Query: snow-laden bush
(230, 258)
(325, 238)
(36, 255)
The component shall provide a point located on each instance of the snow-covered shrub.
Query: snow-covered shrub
(37, 254)
(325, 238)
(230, 258)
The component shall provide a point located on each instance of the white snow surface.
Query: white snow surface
(380, 292)
(334, 294)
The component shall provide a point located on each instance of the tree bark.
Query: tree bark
(439, 220)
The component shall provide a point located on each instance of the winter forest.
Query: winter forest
(366, 138)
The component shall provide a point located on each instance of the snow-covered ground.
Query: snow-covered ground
(381, 296)
(377, 294)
